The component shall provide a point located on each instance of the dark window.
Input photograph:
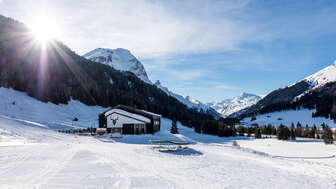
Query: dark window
(128, 128)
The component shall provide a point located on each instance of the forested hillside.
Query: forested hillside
(52, 72)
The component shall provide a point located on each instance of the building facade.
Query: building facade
(128, 120)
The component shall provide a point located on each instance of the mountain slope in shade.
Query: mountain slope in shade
(316, 91)
(119, 59)
(58, 75)
(230, 106)
(189, 102)
(122, 60)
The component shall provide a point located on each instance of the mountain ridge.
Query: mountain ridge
(316, 91)
(230, 106)
(189, 101)
(59, 75)
(123, 60)
(120, 59)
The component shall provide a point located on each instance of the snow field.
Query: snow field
(49, 159)
(34, 156)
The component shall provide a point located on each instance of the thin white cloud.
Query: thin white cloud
(158, 28)
(223, 86)
(148, 28)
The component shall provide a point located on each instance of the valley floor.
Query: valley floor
(36, 157)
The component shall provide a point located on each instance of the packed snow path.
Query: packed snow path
(40, 158)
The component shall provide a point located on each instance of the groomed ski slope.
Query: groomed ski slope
(36, 157)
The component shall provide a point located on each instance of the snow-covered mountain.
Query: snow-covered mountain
(119, 59)
(323, 76)
(316, 91)
(124, 60)
(319, 79)
(233, 105)
(188, 101)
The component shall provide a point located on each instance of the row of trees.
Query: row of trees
(290, 133)
(89, 130)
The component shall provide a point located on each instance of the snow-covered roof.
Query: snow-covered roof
(154, 114)
(123, 112)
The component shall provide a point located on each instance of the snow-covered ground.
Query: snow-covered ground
(32, 155)
(19, 105)
(37, 157)
(304, 116)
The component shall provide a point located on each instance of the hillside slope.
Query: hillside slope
(317, 91)
(190, 102)
(54, 73)
(124, 60)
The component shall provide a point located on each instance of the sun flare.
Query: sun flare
(44, 29)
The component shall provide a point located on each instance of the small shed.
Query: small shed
(123, 119)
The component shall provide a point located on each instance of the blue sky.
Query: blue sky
(209, 50)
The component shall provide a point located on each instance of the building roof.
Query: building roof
(128, 114)
(152, 113)
(133, 111)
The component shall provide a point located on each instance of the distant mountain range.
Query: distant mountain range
(190, 102)
(230, 106)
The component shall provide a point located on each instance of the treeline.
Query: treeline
(89, 131)
(224, 127)
(283, 132)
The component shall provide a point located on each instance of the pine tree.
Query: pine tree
(292, 133)
(241, 130)
(283, 132)
(249, 131)
(257, 132)
(174, 129)
(274, 131)
(306, 132)
(313, 131)
(327, 135)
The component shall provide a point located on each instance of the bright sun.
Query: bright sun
(44, 28)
